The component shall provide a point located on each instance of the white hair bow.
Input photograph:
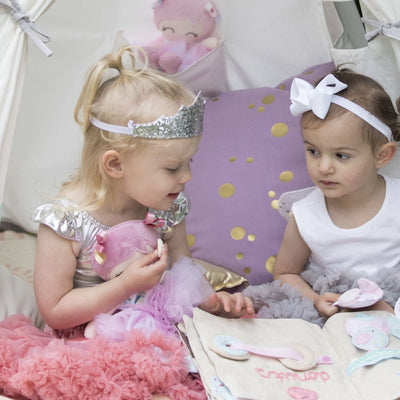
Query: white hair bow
(305, 97)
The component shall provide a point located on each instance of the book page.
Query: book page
(380, 380)
(261, 377)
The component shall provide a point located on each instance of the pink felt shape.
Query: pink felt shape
(367, 294)
(298, 393)
(370, 339)
(360, 321)
(121, 244)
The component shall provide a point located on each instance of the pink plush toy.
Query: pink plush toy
(180, 289)
(188, 33)
(367, 294)
(118, 247)
(121, 245)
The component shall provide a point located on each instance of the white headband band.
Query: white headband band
(305, 97)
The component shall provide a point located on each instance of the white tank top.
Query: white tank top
(367, 248)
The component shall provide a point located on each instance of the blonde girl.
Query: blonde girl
(141, 130)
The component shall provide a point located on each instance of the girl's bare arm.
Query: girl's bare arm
(291, 260)
(62, 306)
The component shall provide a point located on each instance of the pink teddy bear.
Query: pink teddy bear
(188, 28)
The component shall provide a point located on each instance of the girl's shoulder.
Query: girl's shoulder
(64, 217)
(176, 214)
(294, 198)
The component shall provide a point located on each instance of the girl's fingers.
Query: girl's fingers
(249, 306)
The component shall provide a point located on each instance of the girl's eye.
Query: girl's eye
(313, 152)
(172, 170)
(192, 34)
(342, 156)
(170, 28)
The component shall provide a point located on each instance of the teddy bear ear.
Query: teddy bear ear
(210, 9)
(156, 3)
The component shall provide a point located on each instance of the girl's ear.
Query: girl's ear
(111, 163)
(385, 153)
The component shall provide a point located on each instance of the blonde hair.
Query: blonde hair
(115, 91)
(368, 94)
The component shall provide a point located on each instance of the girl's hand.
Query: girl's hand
(225, 304)
(142, 274)
(324, 304)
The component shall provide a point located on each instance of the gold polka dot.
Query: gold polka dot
(261, 109)
(239, 256)
(237, 233)
(269, 264)
(191, 239)
(251, 106)
(226, 190)
(286, 176)
(279, 129)
(281, 86)
(249, 160)
(271, 194)
(215, 99)
(231, 159)
(308, 72)
(268, 99)
(251, 237)
(275, 204)
(247, 270)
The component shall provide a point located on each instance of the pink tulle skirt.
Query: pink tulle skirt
(146, 358)
(182, 288)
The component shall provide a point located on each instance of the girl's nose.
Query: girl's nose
(186, 175)
(325, 165)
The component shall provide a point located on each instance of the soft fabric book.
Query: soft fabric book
(354, 356)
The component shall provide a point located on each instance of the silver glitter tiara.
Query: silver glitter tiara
(186, 123)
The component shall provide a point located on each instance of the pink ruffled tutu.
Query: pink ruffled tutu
(144, 360)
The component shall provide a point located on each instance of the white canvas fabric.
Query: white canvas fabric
(380, 57)
(259, 377)
(13, 54)
(263, 44)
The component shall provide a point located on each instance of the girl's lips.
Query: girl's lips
(173, 196)
(327, 183)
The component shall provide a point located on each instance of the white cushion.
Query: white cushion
(17, 297)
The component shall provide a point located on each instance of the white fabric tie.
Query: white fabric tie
(305, 97)
(23, 20)
(382, 28)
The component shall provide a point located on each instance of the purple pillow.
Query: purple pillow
(251, 152)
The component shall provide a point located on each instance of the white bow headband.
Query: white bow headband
(305, 97)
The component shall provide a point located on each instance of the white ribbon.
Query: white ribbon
(305, 97)
(382, 28)
(23, 20)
